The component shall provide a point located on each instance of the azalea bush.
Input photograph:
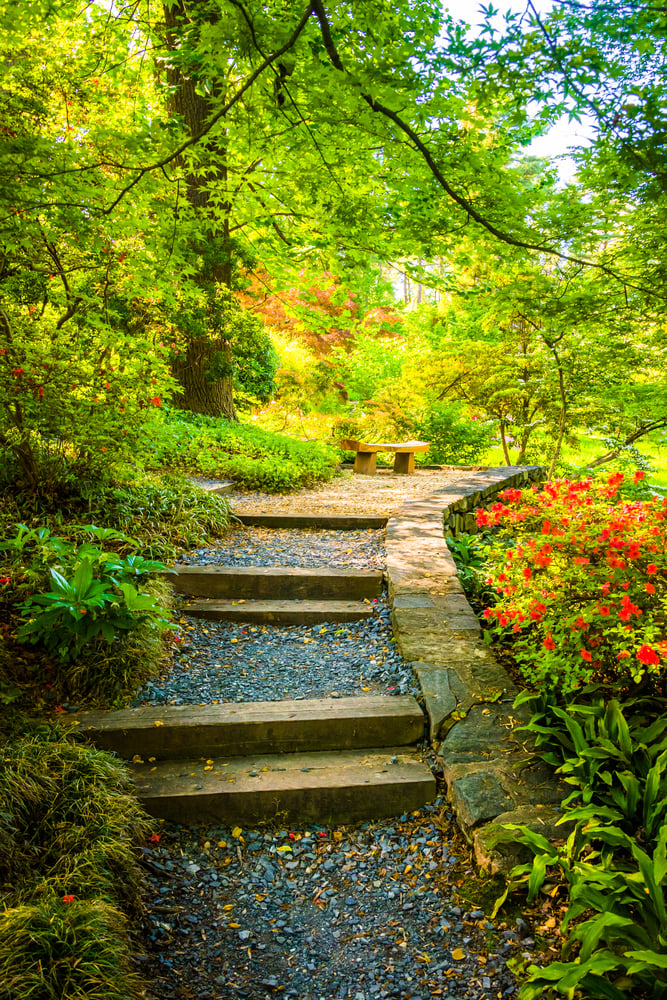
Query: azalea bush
(582, 590)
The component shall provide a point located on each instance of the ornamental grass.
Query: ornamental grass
(65, 949)
(69, 874)
(68, 823)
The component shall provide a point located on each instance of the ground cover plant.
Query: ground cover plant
(254, 458)
(70, 879)
(580, 599)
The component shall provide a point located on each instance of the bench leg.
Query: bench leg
(404, 462)
(364, 463)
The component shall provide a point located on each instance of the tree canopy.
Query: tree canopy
(156, 158)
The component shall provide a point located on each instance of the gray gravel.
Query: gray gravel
(230, 661)
(321, 914)
(293, 547)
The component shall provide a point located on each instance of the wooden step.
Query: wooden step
(342, 786)
(340, 522)
(278, 612)
(237, 728)
(265, 582)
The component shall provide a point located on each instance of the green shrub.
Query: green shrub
(68, 823)
(101, 620)
(64, 413)
(69, 876)
(255, 361)
(470, 554)
(93, 593)
(455, 439)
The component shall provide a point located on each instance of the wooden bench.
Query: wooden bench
(366, 457)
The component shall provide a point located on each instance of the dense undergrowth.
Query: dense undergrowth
(573, 578)
(70, 880)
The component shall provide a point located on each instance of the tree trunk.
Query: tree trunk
(503, 438)
(205, 370)
(200, 393)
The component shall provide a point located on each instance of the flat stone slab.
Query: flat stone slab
(233, 729)
(217, 486)
(334, 787)
(477, 796)
(485, 731)
(279, 612)
(443, 693)
(340, 522)
(264, 582)
(497, 850)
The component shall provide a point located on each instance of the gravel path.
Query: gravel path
(348, 493)
(289, 547)
(363, 913)
(229, 661)
(369, 912)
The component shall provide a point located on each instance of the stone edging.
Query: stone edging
(491, 775)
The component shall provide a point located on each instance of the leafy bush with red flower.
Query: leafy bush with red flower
(582, 589)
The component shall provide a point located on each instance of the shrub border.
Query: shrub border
(488, 766)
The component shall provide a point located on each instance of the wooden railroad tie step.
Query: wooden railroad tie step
(342, 786)
(341, 522)
(264, 582)
(278, 612)
(237, 728)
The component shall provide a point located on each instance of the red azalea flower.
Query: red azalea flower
(155, 838)
(639, 475)
(604, 610)
(69, 898)
(649, 588)
(651, 569)
(646, 654)
(549, 643)
(585, 655)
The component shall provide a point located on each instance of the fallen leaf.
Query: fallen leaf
(458, 954)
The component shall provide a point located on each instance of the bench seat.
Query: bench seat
(366, 454)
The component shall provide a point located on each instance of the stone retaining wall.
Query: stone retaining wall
(488, 766)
